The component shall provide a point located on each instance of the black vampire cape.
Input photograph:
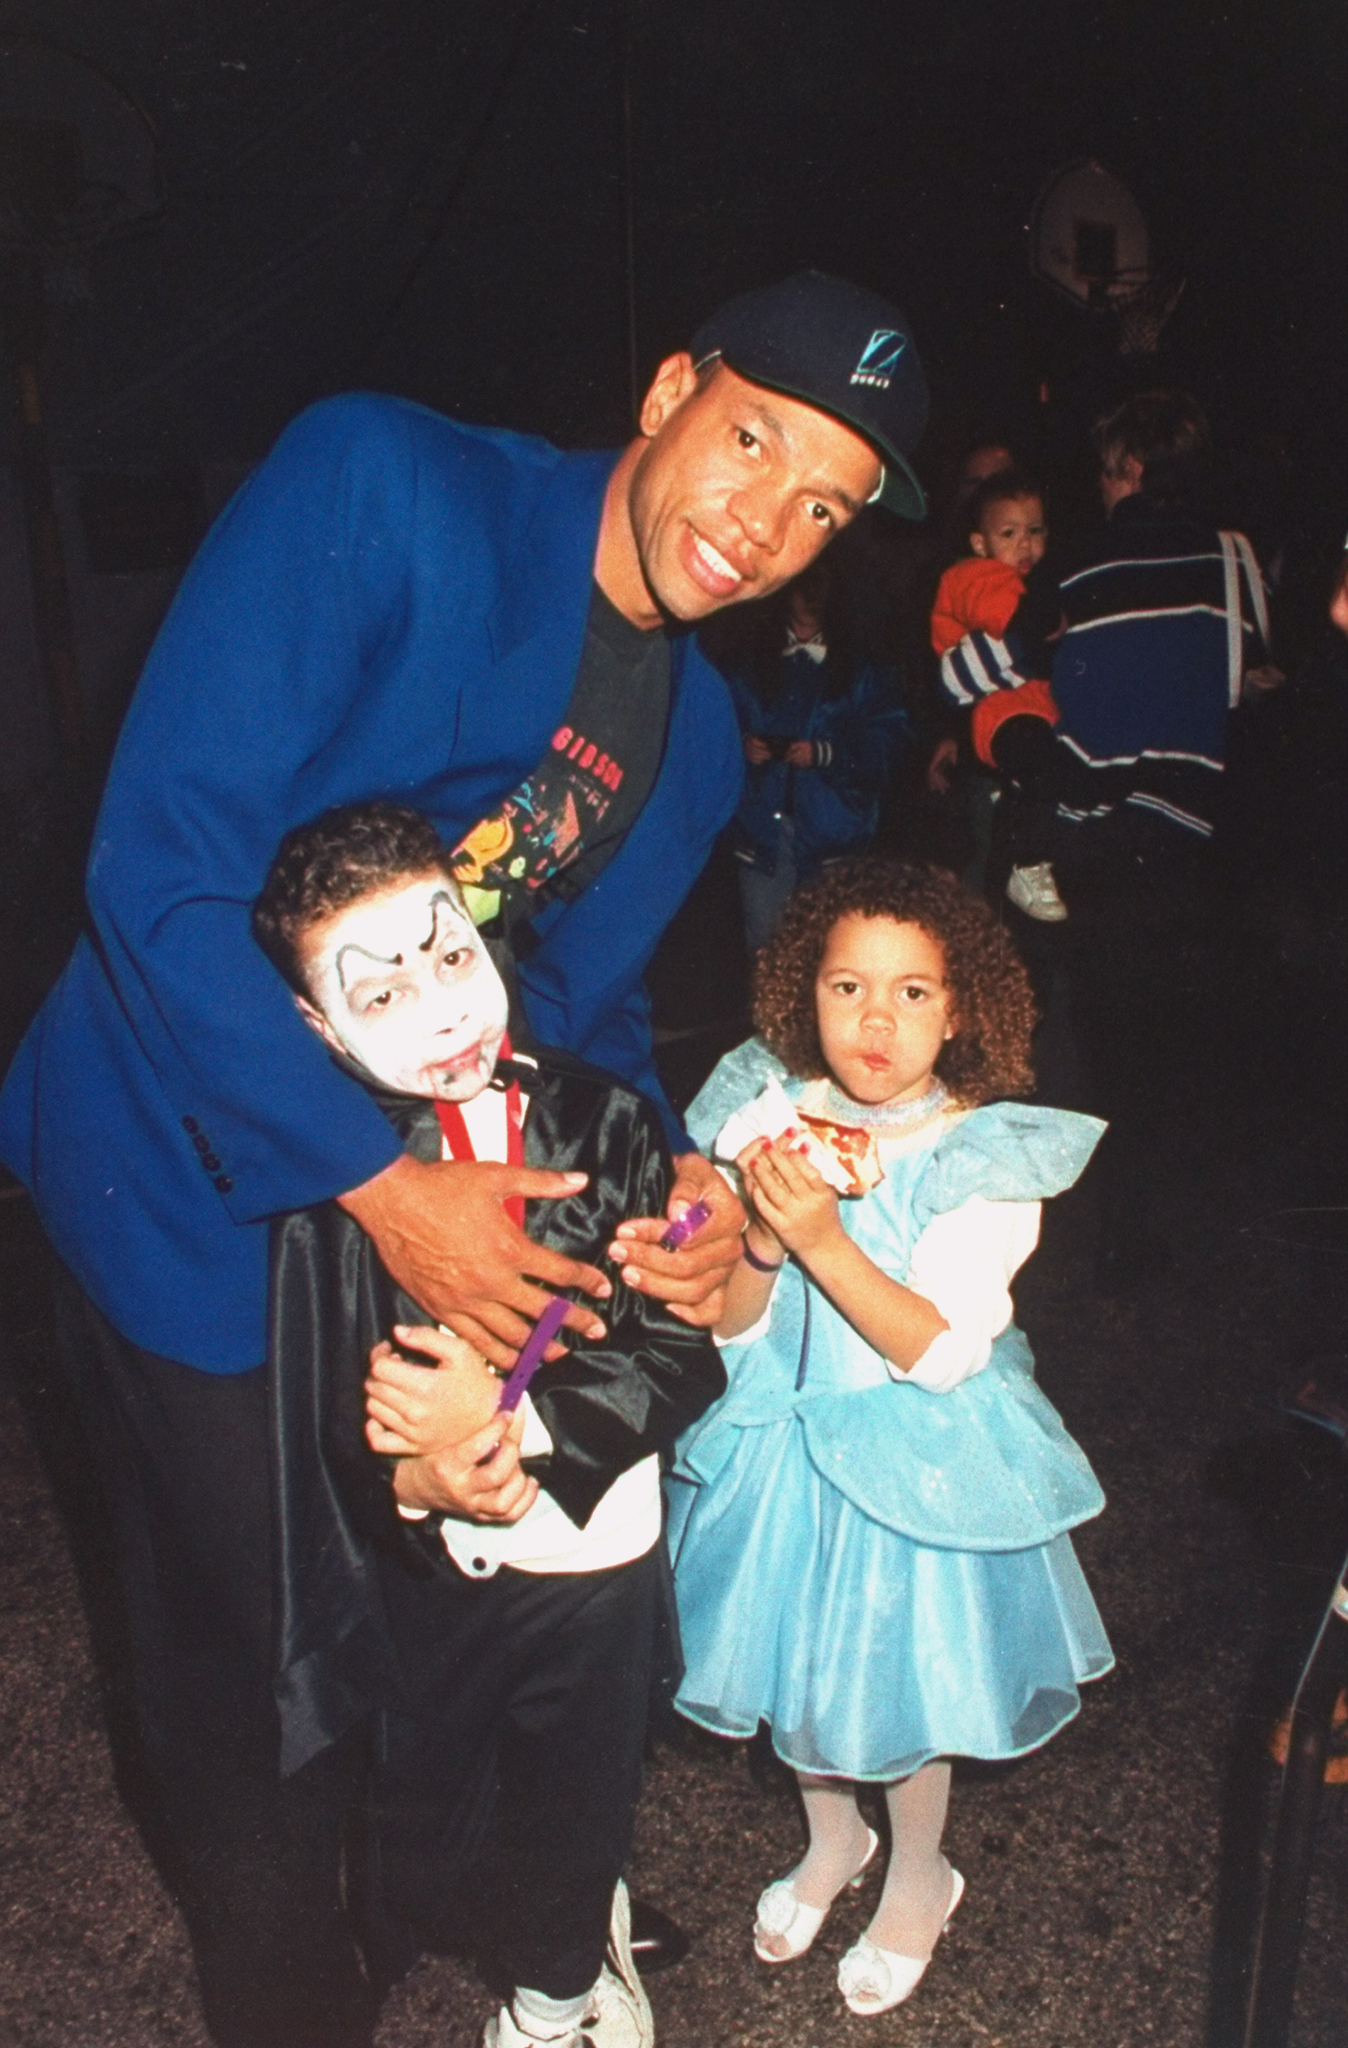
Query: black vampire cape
(606, 1405)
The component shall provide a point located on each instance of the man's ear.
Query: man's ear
(978, 545)
(316, 1021)
(673, 382)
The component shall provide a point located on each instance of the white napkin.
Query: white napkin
(771, 1115)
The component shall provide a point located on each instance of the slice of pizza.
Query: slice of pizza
(852, 1147)
(846, 1155)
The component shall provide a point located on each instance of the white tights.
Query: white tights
(916, 1895)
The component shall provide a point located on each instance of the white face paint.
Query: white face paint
(402, 983)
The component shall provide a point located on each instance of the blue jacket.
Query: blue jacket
(393, 605)
(836, 807)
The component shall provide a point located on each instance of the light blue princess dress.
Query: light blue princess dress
(880, 1572)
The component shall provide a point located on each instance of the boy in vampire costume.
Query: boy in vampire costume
(507, 1647)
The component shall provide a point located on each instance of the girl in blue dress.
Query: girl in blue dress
(869, 1530)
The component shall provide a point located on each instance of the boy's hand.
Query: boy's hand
(941, 766)
(480, 1479)
(692, 1280)
(442, 1233)
(794, 1201)
(414, 1412)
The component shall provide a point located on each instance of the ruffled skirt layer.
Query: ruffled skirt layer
(865, 1652)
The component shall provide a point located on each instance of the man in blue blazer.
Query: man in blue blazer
(393, 605)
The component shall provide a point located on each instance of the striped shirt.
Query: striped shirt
(1144, 676)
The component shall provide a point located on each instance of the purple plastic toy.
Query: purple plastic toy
(685, 1226)
(531, 1357)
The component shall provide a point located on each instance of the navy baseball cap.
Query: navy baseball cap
(846, 351)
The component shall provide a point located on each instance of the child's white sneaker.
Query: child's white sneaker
(618, 2014)
(1035, 891)
(614, 2018)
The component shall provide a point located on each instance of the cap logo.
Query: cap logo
(879, 358)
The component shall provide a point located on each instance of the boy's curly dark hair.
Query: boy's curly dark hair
(332, 862)
(993, 1007)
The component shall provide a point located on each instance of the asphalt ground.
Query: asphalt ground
(1109, 1875)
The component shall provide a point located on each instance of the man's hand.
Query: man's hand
(480, 1479)
(691, 1280)
(442, 1233)
(413, 1412)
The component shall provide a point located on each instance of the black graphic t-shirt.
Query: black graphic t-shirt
(566, 820)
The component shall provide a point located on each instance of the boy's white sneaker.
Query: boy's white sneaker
(614, 2018)
(618, 2014)
(1035, 891)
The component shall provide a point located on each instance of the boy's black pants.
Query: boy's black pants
(506, 1798)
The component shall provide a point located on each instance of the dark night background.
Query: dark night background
(434, 197)
(429, 197)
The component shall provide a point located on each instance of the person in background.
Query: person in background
(823, 729)
(996, 616)
(1166, 635)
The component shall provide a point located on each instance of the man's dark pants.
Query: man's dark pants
(255, 1860)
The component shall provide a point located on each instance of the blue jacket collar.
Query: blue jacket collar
(546, 589)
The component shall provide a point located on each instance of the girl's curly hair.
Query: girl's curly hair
(993, 1007)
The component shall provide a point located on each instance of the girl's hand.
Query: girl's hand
(794, 1201)
(758, 1237)
(756, 750)
(415, 1413)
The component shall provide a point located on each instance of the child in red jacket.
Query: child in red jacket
(996, 615)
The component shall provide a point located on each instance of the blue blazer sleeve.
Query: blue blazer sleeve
(271, 661)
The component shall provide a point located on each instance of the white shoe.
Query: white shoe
(784, 1917)
(618, 2014)
(874, 1979)
(1034, 891)
(622, 2011)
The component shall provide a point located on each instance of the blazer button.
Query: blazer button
(224, 1183)
(210, 1162)
(202, 1143)
(191, 1126)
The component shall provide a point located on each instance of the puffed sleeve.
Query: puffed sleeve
(964, 1263)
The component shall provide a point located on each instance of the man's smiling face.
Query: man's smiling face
(402, 983)
(737, 488)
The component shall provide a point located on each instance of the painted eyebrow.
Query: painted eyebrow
(769, 419)
(377, 959)
(440, 896)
